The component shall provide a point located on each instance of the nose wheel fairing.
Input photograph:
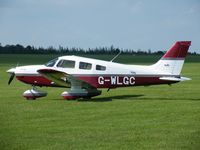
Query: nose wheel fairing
(34, 94)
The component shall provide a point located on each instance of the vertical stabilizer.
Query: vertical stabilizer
(172, 61)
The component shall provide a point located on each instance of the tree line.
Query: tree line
(20, 49)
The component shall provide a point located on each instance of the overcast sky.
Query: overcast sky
(132, 24)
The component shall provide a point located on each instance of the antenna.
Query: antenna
(115, 56)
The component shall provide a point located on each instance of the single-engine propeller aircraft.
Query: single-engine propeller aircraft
(85, 75)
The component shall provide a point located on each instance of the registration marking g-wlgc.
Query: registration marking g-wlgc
(116, 80)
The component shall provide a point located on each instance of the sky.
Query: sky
(126, 24)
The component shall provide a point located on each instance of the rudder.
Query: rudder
(172, 61)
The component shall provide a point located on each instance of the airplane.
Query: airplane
(85, 76)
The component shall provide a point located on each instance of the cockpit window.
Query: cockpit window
(66, 64)
(101, 68)
(84, 65)
(51, 63)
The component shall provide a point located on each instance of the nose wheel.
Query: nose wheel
(34, 94)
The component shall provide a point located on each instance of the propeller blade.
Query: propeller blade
(12, 75)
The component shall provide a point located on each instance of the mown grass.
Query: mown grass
(155, 117)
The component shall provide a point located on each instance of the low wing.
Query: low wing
(63, 79)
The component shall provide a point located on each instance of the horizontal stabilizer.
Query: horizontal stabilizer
(174, 78)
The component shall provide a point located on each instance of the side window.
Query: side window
(66, 64)
(101, 68)
(84, 65)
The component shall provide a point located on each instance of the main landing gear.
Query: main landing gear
(80, 93)
(34, 93)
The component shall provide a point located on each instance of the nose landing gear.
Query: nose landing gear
(34, 94)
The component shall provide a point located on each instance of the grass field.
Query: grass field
(155, 117)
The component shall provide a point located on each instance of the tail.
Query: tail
(172, 61)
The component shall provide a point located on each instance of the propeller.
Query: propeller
(12, 75)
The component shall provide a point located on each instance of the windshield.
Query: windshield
(51, 63)
(66, 64)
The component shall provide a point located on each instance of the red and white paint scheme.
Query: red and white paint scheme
(85, 75)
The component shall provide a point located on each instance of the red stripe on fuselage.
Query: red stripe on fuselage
(104, 81)
(122, 81)
(35, 80)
